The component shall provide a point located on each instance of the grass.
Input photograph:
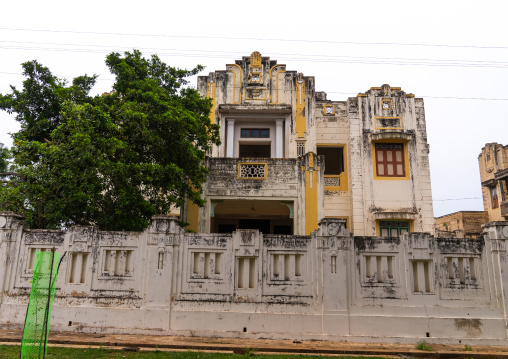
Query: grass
(12, 352)
(424, 346)
(468, 348)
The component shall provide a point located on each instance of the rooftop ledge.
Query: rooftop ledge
(392, 134)
(242, 108)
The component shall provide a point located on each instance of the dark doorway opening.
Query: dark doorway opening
(281, 229)
(262, 224)
(256, 151)
(226, 228)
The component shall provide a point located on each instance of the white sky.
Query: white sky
(348, 46)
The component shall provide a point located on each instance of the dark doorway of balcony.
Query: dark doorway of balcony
(256, 151)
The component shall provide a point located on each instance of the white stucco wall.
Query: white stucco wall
(329, 285)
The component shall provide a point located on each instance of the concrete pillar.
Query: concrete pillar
(496, 234)
(334, 244)
(11, 227)
(279, 138)
(231, 138)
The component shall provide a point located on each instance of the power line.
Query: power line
(260, 39)
(397, 61)
(328, 92)
(311, 57)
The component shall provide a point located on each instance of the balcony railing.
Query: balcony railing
(336, 182)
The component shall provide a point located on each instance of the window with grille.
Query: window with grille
(390, 160)
(393, 228)
(300, 148)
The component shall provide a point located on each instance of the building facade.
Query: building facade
(290, 157)
(493, 162)
(462, 224)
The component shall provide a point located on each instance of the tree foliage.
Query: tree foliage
(5, 155)
(113, 160)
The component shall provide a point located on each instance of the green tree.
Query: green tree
(113, 160)
(5, 155)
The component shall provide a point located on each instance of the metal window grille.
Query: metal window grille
(332, 181)
(248, 170)
(300, 149)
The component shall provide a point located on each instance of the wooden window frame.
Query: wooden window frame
(397, 147)
(390, 227)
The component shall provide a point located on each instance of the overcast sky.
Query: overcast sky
(454, 54)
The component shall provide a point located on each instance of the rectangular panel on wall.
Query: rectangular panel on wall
(423, 276)
(117, 263)
(379, 269)
(286, 267)
(462, 271)
(77, 266)
(207, 267)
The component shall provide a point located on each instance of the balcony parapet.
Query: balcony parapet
(235, 176)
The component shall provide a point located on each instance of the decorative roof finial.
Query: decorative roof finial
(255, 59)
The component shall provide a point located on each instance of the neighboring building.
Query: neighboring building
(462, 224)
(493, 161)
(290, 157)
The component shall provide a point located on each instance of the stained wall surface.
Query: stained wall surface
(366, 157)
(493, 163)
(328, 285)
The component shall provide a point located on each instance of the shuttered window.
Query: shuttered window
(390, 160)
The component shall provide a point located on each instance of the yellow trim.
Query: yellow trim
(300, 109)
(376, 88)
(395, 88)
(362, 95)
(410, 95)
(328, 106)
(192, 216)
(311, 200)
(343, 177)
(388, 128)
(255, 73)
(342, 217)
(211, 88)
(254, 88)
(276, 84)
(406, 161)
(234, 83)
(252, 163)
(378, 230)
(389, 100)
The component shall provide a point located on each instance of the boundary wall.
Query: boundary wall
(329, 285)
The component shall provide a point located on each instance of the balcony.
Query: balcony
(244, 177)
(334, 183)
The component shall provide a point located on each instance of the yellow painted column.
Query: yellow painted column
(192, 216)
(311, 196)
(210, 93)
(300, 109)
